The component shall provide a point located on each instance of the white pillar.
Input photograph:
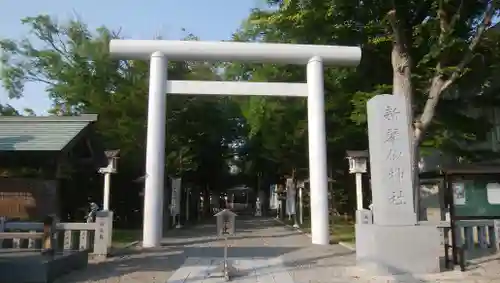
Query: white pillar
(155, 152)
(188, 192)
(106, 196)
(317, 152)
(359, 191)
(2, 227)
(301, 207)
(248, 199)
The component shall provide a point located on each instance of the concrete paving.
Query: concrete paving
(245, 270)
(261, 251)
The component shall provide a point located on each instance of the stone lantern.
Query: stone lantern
(358, 165)
(111, 168)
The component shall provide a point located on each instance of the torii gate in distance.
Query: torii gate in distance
(313, 56)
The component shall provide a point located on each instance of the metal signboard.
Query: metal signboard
(225, 227)
(225, 222)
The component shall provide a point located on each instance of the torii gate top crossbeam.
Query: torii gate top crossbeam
(235, 51)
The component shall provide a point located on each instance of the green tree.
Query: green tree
(427, 51)
(430, 46)
(8, 110)
(80, 77)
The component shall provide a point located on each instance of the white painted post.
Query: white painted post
(359, 191)
(278, 210)
(107, 184)
(188, 198)
(317, 152)
(258, 207)
(155, 152)
(2, 227)
(301, 206)
(247, 201)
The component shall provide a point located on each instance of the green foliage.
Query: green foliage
(8, 110)
(269, 134)
(80, 77)
(365, 23)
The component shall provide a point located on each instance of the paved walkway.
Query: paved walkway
(262, 251)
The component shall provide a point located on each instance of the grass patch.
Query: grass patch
(341, 230)
(125, 236)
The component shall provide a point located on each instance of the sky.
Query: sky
(207, 19)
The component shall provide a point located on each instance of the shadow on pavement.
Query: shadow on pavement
(239, 252)
(165, 260)
(167, 243)
(209, 228)
(178, 245)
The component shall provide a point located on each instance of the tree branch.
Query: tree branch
(396, 29)
(457, 14)
(486, 22)
(420, 13)
(439, 84)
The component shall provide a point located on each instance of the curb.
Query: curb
(290, 226)
(117, 251)
(348, 246)
(129, 245)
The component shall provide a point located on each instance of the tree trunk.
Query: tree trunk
(402, 85)
(402, 75)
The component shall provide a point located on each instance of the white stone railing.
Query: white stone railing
(94, 237)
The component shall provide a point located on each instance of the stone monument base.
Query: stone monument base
(28, 266)
(394, 250)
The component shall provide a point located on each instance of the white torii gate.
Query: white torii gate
(314, 56)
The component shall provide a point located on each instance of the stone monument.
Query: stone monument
(394, 241)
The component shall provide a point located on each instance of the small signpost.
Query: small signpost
(225, 227)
